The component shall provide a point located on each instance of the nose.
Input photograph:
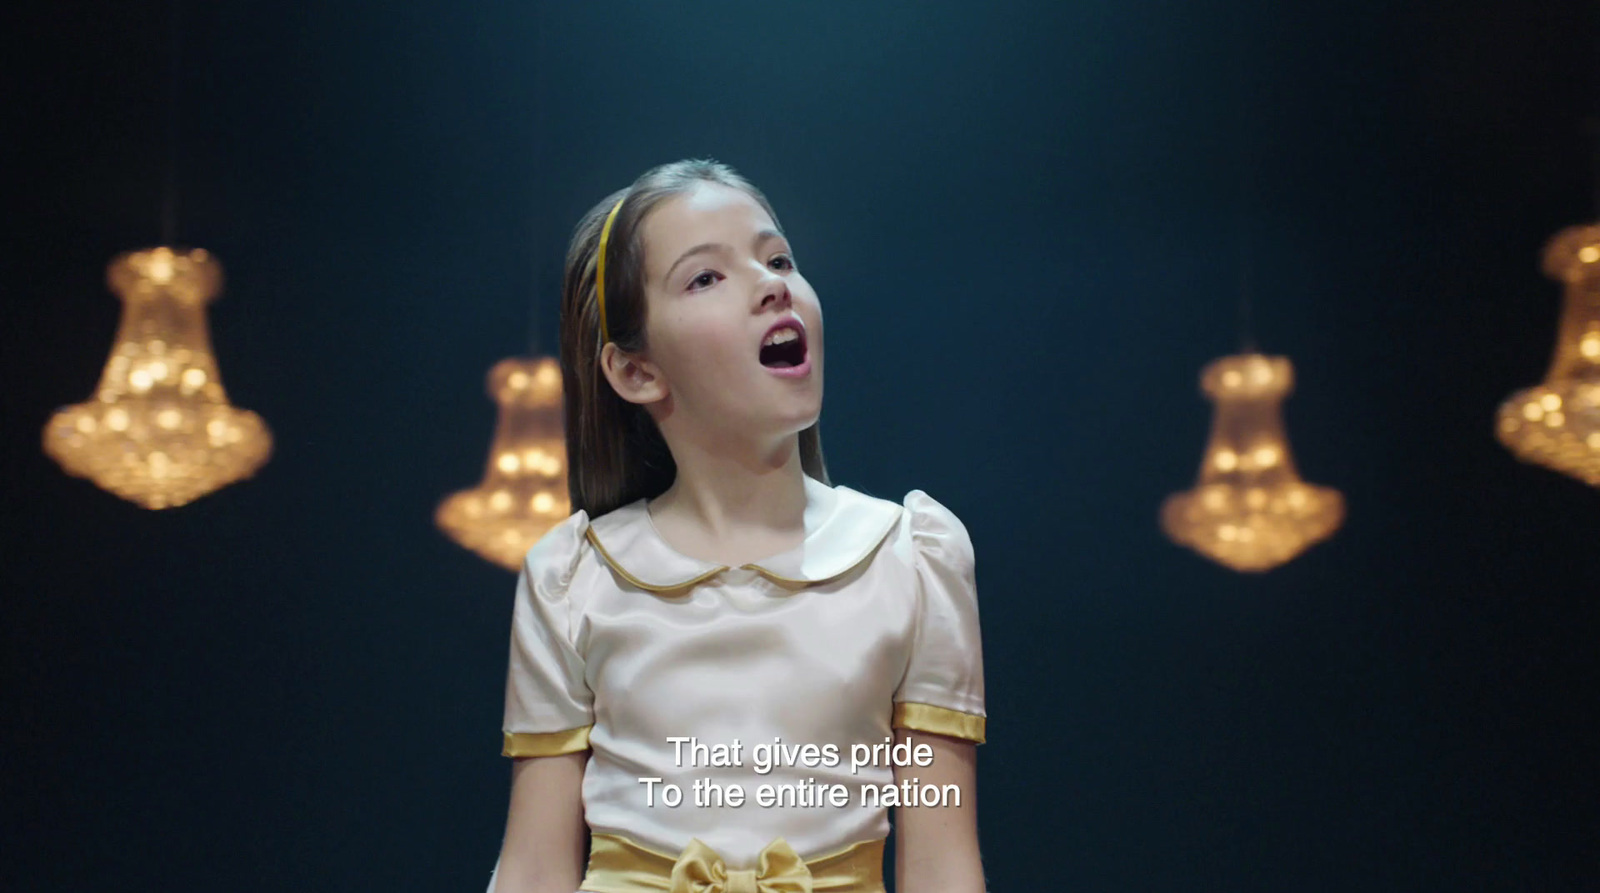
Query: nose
(774, 291)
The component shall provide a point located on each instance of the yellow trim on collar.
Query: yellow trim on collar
(652, 587)
(852, 530)
(546, 744)
(939, 720)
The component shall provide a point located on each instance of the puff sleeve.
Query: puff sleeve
(549, 708)
(942, 691)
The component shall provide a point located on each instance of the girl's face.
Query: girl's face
(718, 278)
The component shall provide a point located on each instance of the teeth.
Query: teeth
(781, 336)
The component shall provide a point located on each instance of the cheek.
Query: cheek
(805, 298)
(712, 335)
(811, 312)
(692, 342)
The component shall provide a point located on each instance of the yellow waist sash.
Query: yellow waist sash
(618, 865)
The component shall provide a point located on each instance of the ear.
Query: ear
(635, 379)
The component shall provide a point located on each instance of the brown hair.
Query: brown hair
(615, 452)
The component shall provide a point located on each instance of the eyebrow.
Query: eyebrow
(761, 236)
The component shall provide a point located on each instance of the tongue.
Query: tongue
(781, 356)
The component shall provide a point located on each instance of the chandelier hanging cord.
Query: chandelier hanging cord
(169, 196)
(1591, 123)
(1247, 339)
(542, 271)
(1246, 157)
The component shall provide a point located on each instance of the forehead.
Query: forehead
(707, 212)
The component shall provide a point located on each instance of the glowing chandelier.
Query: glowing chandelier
(1557, 423)
(1249, 510)
(159, 429)
(524, 490)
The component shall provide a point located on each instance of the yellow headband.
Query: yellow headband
(600, 271)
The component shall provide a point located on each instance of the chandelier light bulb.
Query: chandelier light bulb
(1557, 423)
(159, 430)
(524, 489)
(1249, 509)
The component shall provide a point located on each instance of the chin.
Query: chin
(796, 423)
(809, 415)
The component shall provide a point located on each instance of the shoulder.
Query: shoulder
(930, 517)
(917, 512)
(926, 530)
(935, 533)
(553, 558)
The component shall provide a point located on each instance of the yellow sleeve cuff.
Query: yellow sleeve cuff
(546, 744)
(938, 720)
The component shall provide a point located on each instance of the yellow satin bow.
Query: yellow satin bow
(779, 870)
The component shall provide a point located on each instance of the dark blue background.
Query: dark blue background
(1025, 221)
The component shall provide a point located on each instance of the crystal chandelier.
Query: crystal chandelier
(524, 490)
(1249, 510)
(159, 430)
(1557, 423)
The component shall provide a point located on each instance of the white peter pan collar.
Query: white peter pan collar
(843, 527)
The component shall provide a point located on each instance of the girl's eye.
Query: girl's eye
(704, 280)
(784, 261)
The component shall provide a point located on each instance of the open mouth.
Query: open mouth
(784, 347)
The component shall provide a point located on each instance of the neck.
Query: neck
(721, 491)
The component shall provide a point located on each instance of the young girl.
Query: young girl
(713, 655)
